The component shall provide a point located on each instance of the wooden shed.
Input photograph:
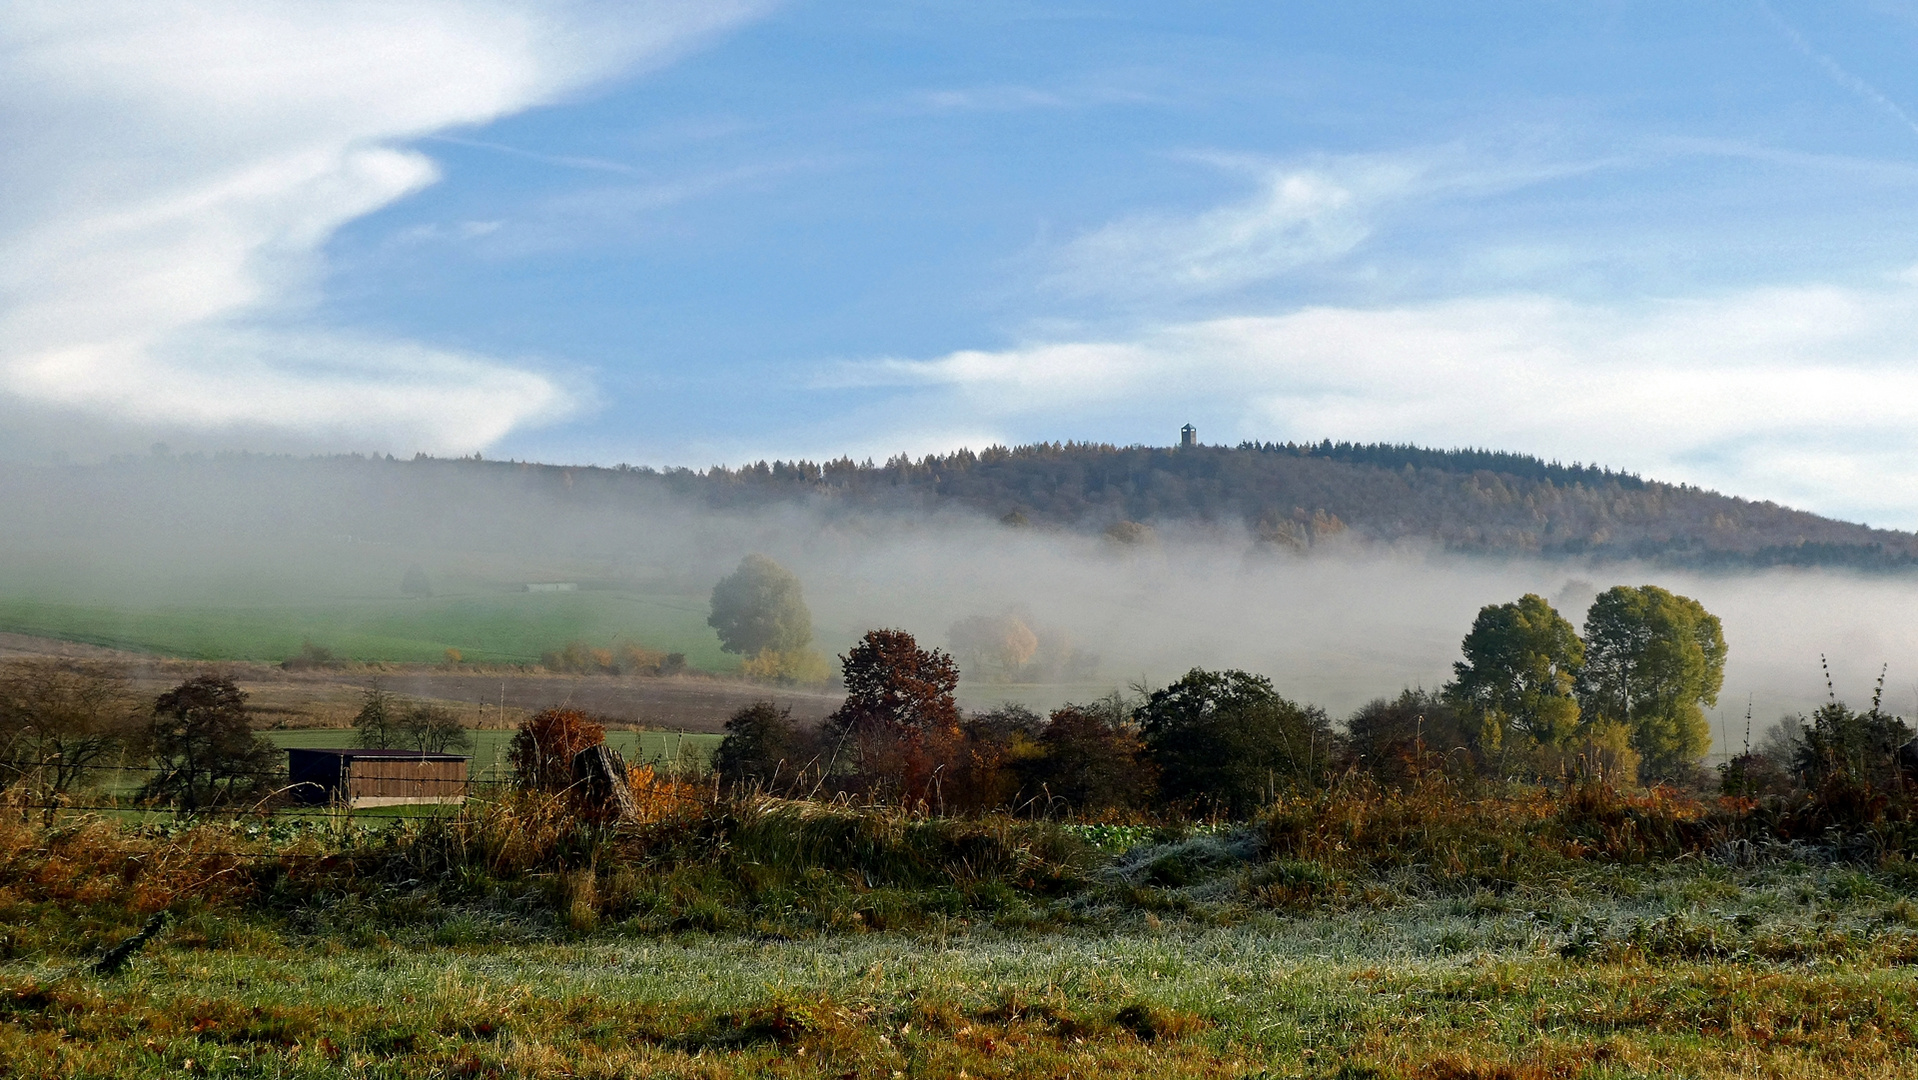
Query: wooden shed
(360, 778)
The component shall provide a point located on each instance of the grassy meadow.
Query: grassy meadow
(501, 627)
(1357, 934)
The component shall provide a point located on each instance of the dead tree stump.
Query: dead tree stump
(599, 778)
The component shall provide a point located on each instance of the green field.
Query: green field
(486, 628)
(690, 750)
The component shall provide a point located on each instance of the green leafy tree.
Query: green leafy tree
(203, 747)
(1515, 684)
(1654, 661)
(759, 608)
(1226, 740)
(415, 583)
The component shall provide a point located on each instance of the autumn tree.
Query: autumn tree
(204, 749)
(1515, 684)
(899, 726)
(1092, 760)
(1654, 661)
(998, 646)
(760, 613)
(543, 748)
(60, 723)
(1226, 740)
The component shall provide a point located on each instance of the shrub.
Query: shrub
(1092, 760)
(763, 746)
(993, 747)
(543, 748)
(311, 656)
(1227, 742)
(1394, 741)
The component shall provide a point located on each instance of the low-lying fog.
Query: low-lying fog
(1336, 626)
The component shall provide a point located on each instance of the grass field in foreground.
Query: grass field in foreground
(1447, 989)
(1431, 931)
(491, 628)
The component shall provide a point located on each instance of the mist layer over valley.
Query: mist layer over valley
(255, 558)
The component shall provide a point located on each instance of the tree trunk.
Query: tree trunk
(599, 776)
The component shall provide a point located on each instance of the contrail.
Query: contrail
(1838, 72)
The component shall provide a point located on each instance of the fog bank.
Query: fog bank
(1336, 626)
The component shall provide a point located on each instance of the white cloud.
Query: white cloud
(174, 168)
(1807, 395)
(1298, 216)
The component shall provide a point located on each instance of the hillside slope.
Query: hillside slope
(1300, 495)
(1282, 495)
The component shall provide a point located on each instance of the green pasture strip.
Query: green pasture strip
(491, 746)
(492, 628)
(690, 752)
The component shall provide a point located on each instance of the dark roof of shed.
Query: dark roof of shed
(393, 754)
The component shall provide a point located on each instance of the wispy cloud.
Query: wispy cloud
(173, 171)
(1016, 98)
(1300, 214)
(1808, 395)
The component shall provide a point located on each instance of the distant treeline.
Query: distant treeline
(1400, 455)
(1292, 495)
(1280, 495)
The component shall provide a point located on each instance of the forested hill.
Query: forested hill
(1299, 495)
(1279, 495)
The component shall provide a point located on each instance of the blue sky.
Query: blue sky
(1677, 239)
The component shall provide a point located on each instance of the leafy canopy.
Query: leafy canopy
(760, 608)
(899, 725)
(204, 747)
(1227, 740)
(1654, 661)
(1521, 663)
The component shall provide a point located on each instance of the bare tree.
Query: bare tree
(60, 722)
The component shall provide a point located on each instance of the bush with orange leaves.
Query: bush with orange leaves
(663, 797)
(545, 744)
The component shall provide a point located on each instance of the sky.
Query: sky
(1680, 240)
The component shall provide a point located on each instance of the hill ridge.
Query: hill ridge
(1283, 495)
